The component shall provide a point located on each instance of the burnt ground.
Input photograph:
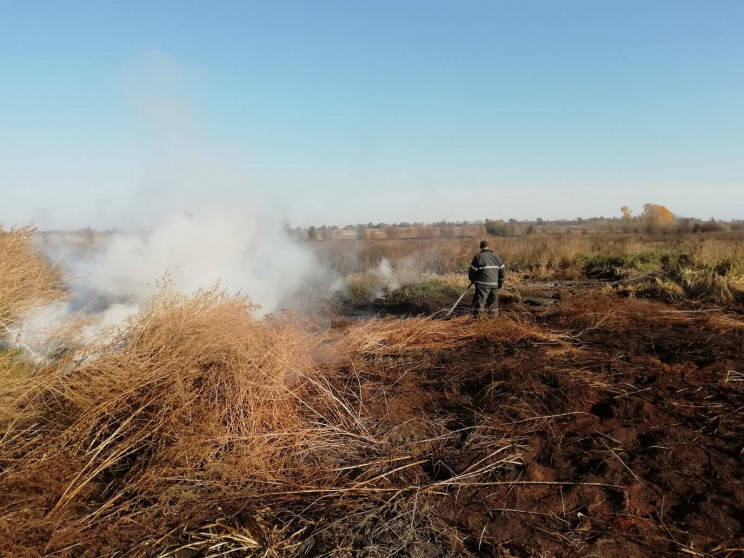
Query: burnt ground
(627, 438)
(530, 294)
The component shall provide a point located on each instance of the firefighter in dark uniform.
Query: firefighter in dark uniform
(488, 272)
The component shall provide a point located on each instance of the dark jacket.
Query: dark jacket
(487, 269)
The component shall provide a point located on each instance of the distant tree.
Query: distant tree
(684, 225)
(627, 215)
(711, 226)
(496, 228)
(531, 229)
(657, 214)
(312, 233)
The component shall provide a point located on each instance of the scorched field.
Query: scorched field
(598, 415)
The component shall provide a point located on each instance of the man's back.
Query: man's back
(487, 268)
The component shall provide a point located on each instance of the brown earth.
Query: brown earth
(624, 434)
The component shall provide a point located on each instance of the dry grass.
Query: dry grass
(194, 415)
(26, 283)
(26, 279)
(697, 266)
(394, 335)
(619, 315)
(539, 253)
(200, 427)
(194, 403)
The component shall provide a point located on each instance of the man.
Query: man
(488, 272)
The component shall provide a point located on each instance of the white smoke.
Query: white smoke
(188, 214)
(241, 252)
(237, 251)
(407, 271)
(386, 278)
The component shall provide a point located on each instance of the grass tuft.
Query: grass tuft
(27, 281)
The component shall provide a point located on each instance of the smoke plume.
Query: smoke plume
(189, 219)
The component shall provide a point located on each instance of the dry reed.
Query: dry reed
(195, 413)
(395, 335)
(27, 281)
(697, 266)
(200, 427)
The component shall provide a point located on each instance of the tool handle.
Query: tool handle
(458, 300)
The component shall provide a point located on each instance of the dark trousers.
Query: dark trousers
(485, 300)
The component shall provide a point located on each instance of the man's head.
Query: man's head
(483, 244)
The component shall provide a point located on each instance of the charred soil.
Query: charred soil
(621, 428)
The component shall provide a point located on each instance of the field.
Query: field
(424, 275)
(598, 415)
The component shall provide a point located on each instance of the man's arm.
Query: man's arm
(502, 274)
(473, 269)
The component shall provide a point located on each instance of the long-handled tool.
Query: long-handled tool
(458, 301)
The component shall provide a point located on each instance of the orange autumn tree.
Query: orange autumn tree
(657, 214)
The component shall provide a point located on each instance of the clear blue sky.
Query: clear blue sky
(345, 111)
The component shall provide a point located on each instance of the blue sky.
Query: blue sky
(341, 112)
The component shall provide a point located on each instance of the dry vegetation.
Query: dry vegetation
(201, 428)
(27, 281)
(600, 426)
(705, 266)
(26, 278)
(193, 416)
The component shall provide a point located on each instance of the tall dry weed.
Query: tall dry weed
(27, 281)
(194, 393)
(26, 278)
